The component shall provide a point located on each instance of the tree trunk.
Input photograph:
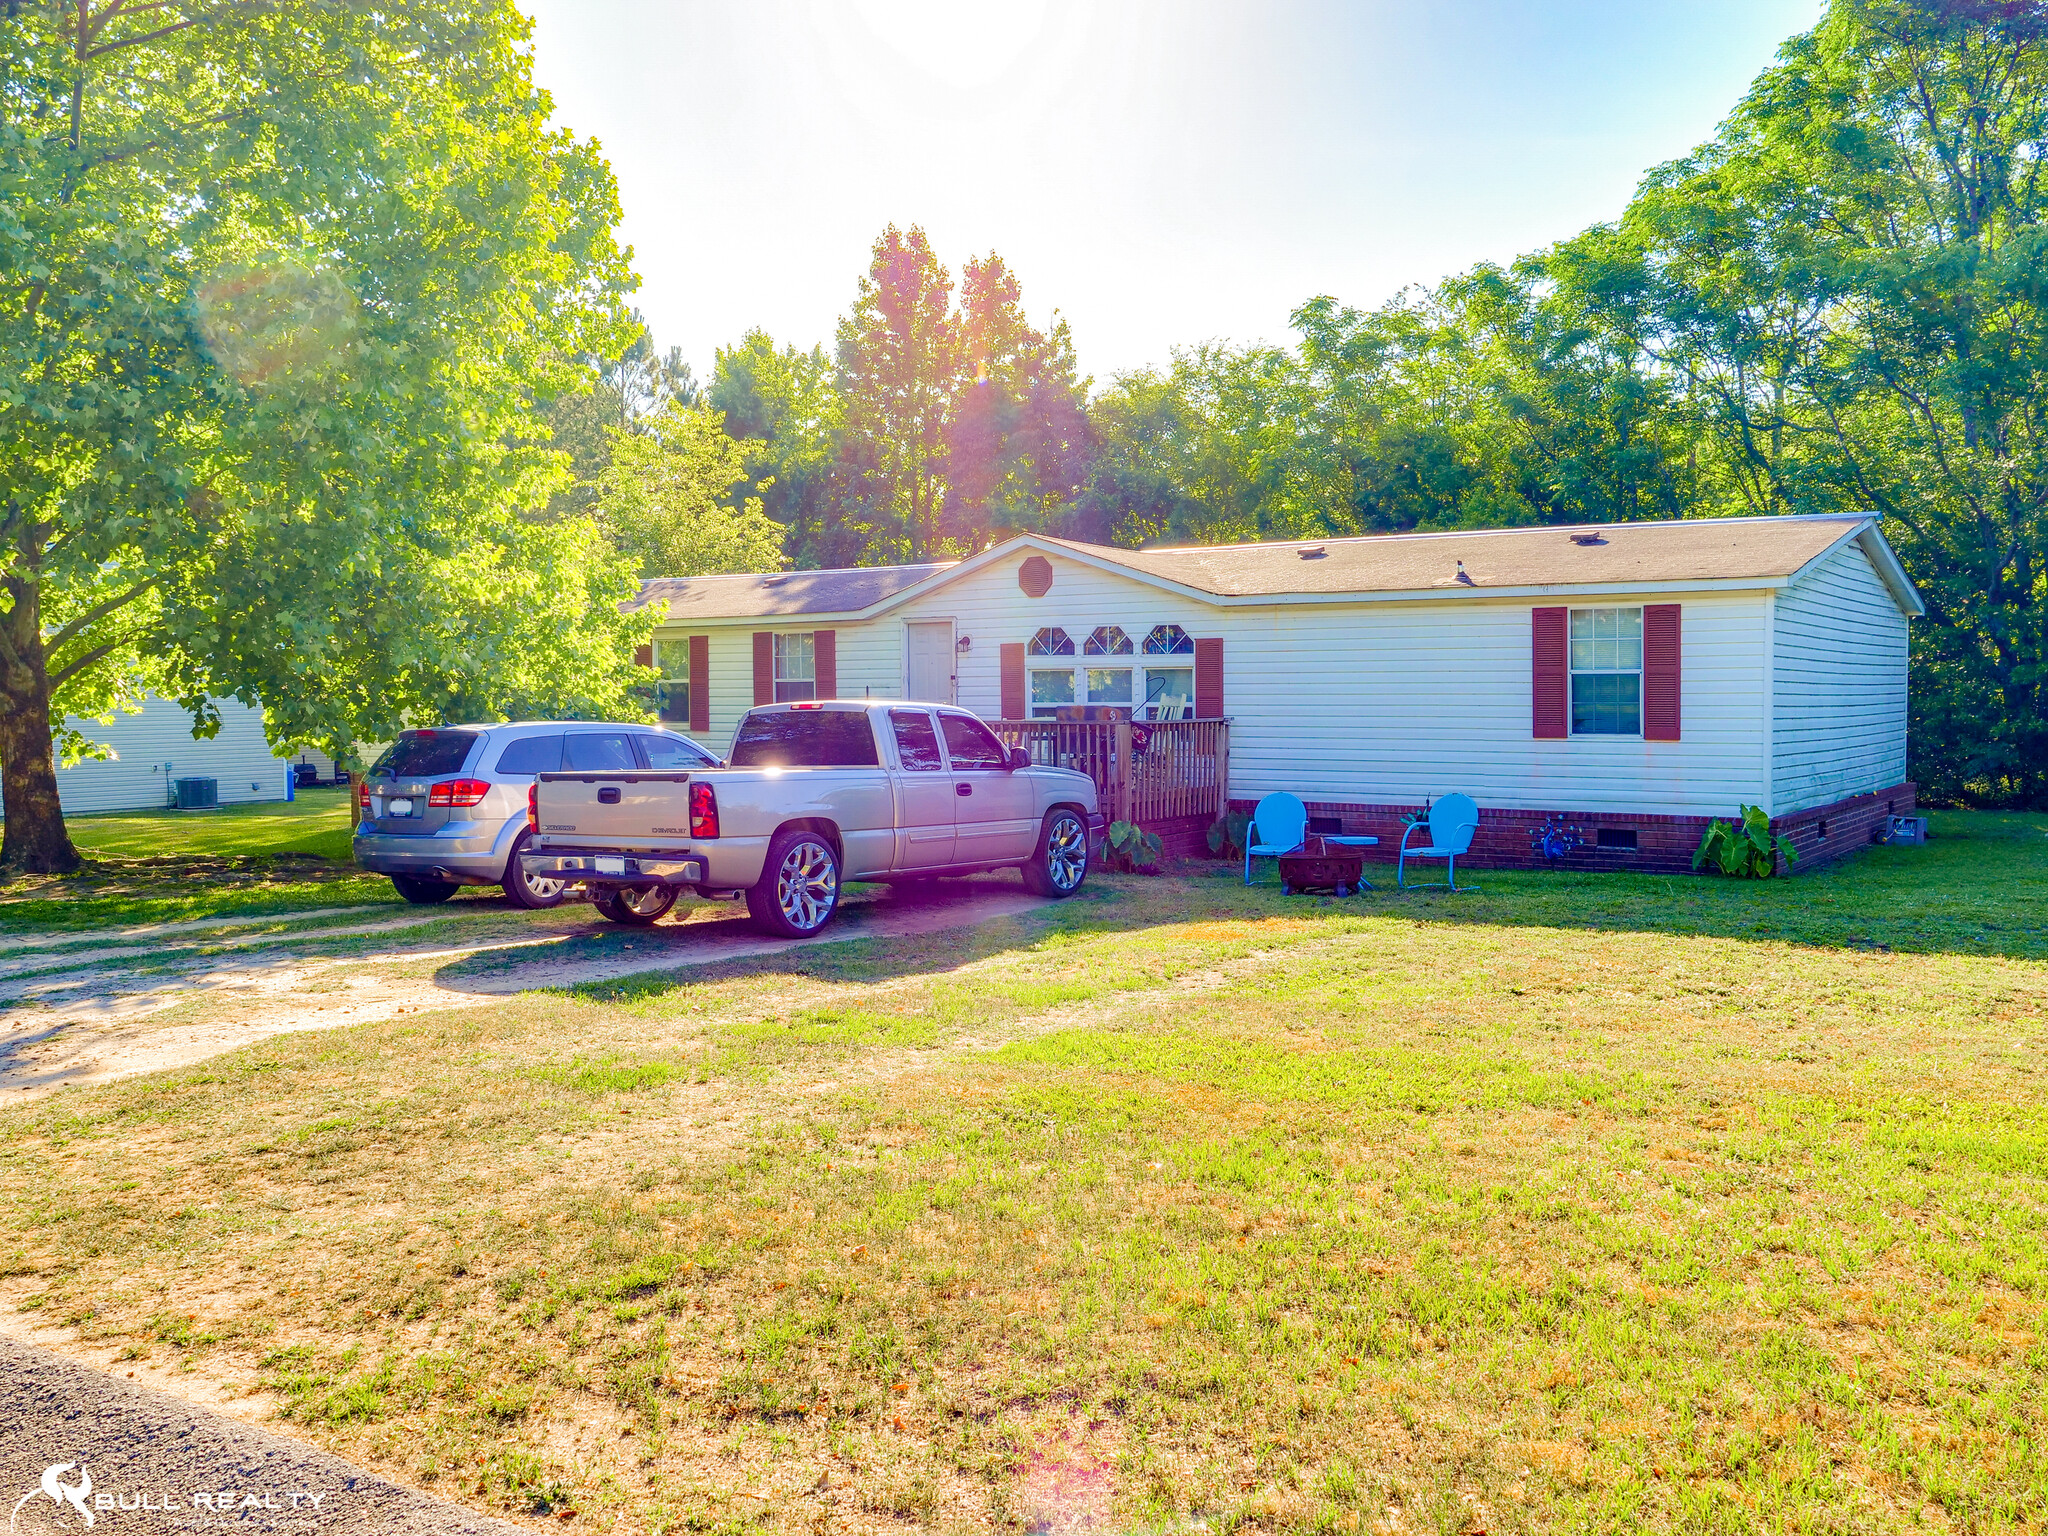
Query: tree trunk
(36, 841)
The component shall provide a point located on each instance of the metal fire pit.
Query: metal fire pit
(1318, 866)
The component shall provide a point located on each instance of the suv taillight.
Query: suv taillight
(458, 792)
(533, 807)
(363, 797)
(703, 811)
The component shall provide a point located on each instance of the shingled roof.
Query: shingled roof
(1605, 555)
(1610, 554)
(782, 592)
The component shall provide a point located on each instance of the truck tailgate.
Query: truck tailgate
(621, 809)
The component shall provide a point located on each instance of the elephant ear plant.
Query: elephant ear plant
(1747, 850)
(1132, 848)
(1228, 835)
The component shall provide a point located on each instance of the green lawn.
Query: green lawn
(318, 822)
(1583, 1203)
(159, 866)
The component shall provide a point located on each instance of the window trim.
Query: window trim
(1077, 661)
(778, 649)
(1184, 645)
(1572, 673)
(664, 681)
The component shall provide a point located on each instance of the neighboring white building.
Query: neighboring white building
(1638, 677)
(156, 747)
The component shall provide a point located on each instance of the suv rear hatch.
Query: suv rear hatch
(401, 782)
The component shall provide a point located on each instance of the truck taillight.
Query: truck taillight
(533, 807)
(458, 792)
(703, 811)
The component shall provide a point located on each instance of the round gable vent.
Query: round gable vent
(1035, 576)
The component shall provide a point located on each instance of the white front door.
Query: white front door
(931, 661)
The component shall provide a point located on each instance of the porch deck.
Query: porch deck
(1147, 772)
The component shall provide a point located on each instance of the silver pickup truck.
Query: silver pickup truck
(815, 794)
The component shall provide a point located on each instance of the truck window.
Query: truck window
(423, 754)
(663, 751)
(599, 750)
(806, 738)
(971, 744)
(530, 754)
(917, 744)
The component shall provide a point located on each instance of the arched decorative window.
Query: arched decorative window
(1107, 640)
(1168, 640)
(1050, 642)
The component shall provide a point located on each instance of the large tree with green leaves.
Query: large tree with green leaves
(283, 287)
(899, 365)
(783, 405)
(677, 498)
(1848, 291)
(1018, 440)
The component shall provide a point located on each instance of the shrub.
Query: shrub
(1747, 851)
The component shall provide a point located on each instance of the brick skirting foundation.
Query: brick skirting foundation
(1661, 844)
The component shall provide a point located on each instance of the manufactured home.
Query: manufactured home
(1627, 681)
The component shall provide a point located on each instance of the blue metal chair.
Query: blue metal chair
(1452, 821)
(1278, 826)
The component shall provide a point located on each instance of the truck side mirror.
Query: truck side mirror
(1019, 758)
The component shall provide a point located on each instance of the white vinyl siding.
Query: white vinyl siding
(238, 757)
(1386, 703)
(1838, 694)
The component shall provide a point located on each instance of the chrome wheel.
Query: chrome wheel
(641, 901)
(1066, 852)
(807, 885)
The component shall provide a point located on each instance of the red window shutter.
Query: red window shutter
(700, 683)
(825, 662)
(1660, 671)
(643, 656)
(764, 667)
(1013, 682)
(1209, 679)
(1550, 673)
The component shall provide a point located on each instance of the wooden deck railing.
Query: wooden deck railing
(1181, 769)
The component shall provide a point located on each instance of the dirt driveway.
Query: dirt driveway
(92, 1007)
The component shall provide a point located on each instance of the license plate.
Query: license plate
(399, 808)
(610, 866)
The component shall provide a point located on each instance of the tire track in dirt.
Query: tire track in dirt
(100, 1030)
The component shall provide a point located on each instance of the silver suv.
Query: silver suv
(446, 807)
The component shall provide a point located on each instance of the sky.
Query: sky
(1161, 172)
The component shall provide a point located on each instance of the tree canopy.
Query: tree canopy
(283, 291)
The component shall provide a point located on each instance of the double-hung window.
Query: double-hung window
(672, 667)
(1607, 671)
(796, 667)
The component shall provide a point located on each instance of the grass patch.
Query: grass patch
(1585, 1203)
(318, 823)
(160, 866)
